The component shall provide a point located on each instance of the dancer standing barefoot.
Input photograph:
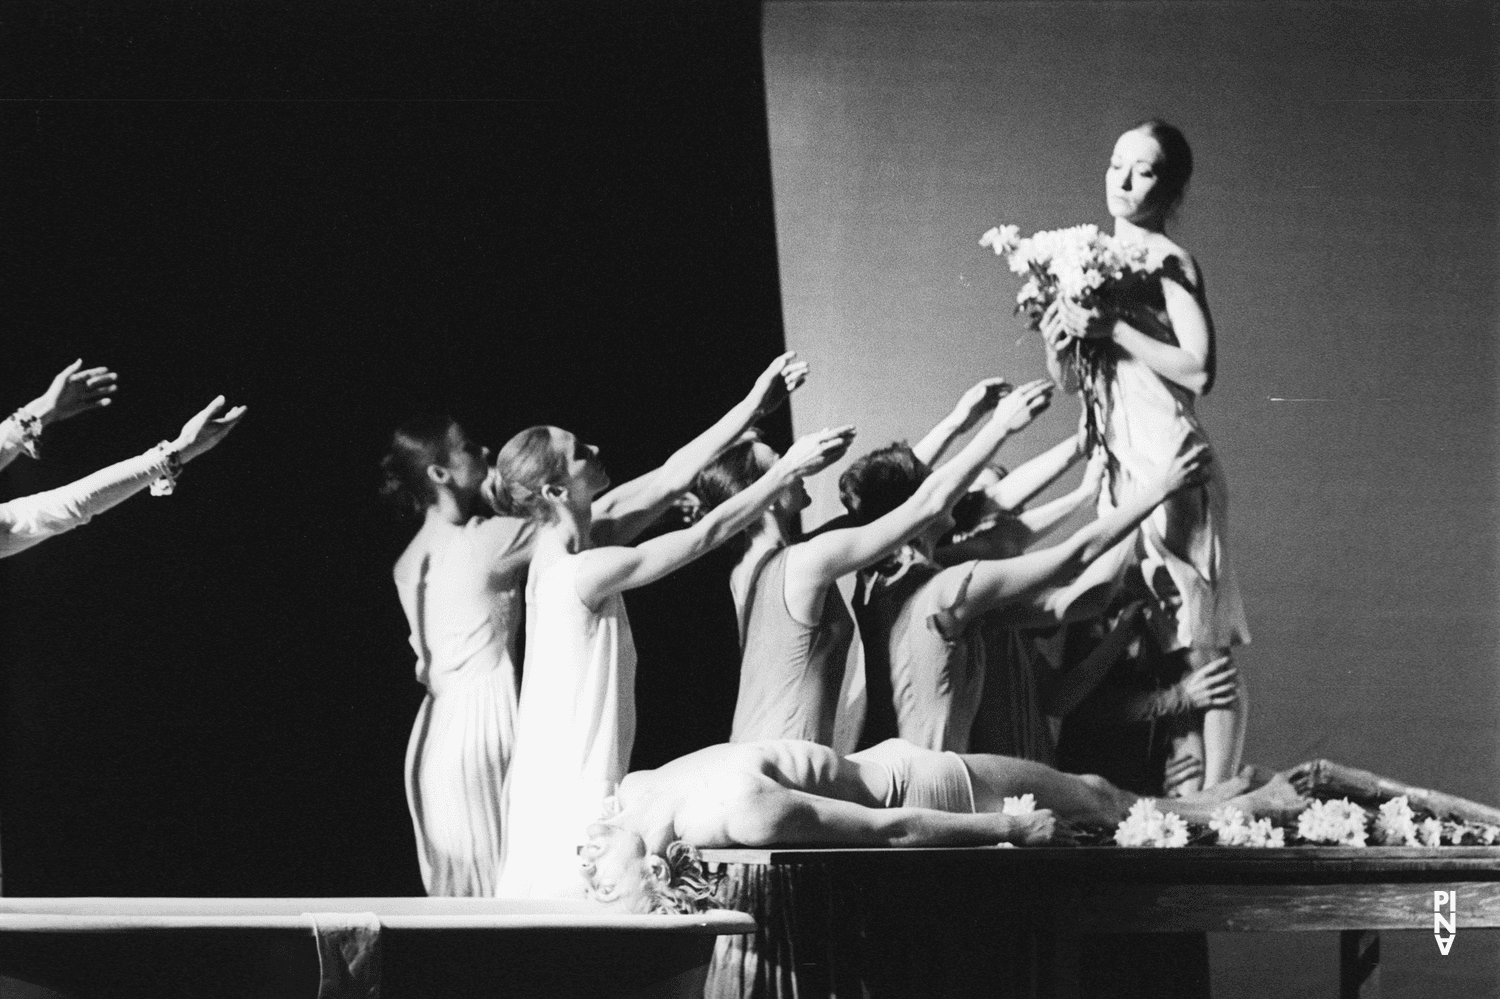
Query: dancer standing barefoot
(1159, 358)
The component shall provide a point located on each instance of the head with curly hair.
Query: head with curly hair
(622, 875)
(541, 470)
(429, 456)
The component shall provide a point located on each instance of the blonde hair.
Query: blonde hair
(689, 888)
(527, 462)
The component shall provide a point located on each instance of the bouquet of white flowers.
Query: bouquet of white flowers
(1093, 270)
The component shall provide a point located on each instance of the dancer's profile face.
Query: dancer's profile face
(794, 499)
(615, 867)
(586, 472)
(1134, 173)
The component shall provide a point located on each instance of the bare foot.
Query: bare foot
(1276, 799)
(1223, 791)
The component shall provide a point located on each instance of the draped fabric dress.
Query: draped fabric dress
(1183, 545)
(574, 732)
(460, 586)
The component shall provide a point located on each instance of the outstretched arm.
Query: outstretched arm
(1214, 685)
(972, 405)
(1040, 521)
(32, 519)
(1003, 580)
(616, 569)
(620, 515)
(818, 561)
(776, 815)
(1017, 488)
(73, 391)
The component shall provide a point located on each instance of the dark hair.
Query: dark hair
(526, 463)
(417, 443)
(735, 469)
(881, 481)
(1177, 159)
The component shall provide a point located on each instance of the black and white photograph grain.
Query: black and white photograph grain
(750, 499)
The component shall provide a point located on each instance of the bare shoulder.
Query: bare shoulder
(1175, 262)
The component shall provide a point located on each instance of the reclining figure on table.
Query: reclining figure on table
(643, 857)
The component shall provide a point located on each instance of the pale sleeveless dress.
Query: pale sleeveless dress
(574, 733)
(790, 672)
(924, 675)
(1183, 545)
(460, 586)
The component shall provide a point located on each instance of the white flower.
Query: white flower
(1341, 823)
(1395, 825)
(1030, 292)
(1236, 829)
(1002, 239)
(1432, 832)
(1148, 826)
(1024, 805)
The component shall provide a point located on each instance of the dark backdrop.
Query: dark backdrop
(340, 214)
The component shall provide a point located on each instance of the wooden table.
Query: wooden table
(999, 921)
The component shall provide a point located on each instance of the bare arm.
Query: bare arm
(620, 515)
(1214, 685)
(1037, 523)
(1186, 364)
(615, 569)
(972, 405)
(998, 582)
(779, 816)
(1189, 364)
(30, 520)
(820, 560)
(73, 390)
(1017, 488)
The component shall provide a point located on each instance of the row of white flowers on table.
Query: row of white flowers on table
(1338, 822)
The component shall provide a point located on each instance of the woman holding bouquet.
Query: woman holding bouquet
(1141, 361)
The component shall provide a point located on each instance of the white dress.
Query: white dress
(460, 585)
(1183, 545)
(574, 733)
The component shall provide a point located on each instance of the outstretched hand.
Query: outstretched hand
(977, 401)
(75, 390)
(811, 453)
(1190, 468)
(1022, 406)
(1212, 686)
(203, 432)
(775, 385)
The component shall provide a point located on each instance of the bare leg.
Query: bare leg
(1088, 798)
(1223, 728)
(1082, 798)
